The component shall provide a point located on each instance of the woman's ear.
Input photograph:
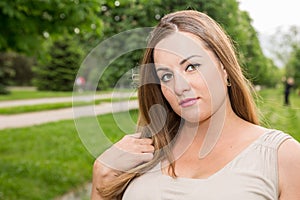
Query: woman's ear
(225, 75)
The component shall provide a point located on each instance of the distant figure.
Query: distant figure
(80, 83)
(289, 83)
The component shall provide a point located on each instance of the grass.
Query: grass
(28, 94)
(53, 106)
(35, 108)
(45, 161)
(33, 94)
(278, 116)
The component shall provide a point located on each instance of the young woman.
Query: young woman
(203, 141)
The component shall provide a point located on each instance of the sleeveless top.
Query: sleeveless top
(251, 175)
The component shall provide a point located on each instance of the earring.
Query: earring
(228, 83)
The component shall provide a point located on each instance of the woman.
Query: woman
(206, 142)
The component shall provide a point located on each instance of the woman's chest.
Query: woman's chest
(233, 185)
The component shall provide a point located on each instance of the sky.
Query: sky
(267, 15)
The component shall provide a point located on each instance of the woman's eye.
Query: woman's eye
(166, 77)
(192, 67)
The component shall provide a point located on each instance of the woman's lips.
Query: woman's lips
(188, 102)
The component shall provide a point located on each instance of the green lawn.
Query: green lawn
(278, 116)
(28, 94)
(45, 161)
(32, 94)
(35, 108)
(53, 106)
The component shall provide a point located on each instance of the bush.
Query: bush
(5, 73)
(59, 72)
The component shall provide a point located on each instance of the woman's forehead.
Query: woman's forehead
(180, 44)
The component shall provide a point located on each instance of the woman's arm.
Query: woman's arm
(289, 170)
(126, 154)
(101, 175)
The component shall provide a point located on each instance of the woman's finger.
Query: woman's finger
(145, 141)
(147, 148)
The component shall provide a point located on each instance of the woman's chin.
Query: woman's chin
(191, 118)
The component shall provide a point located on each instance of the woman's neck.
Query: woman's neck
(205, 134)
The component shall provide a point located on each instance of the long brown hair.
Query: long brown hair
(149, 93)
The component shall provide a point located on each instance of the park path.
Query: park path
(36, 118)
(27, 102)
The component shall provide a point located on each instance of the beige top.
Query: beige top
(252, 175)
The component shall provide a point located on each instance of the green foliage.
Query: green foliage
(18, 68)
(293, 65)
(237, 24)
(131, 14)
(88, 20)
(286, 49)
(26, 23)
(284, 42)
(6, 73)
(272, 74)
(58, 74)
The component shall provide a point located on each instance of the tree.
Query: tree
(283, 43)
(85, 19)
(293, 65)
(59, 73)
(6, 73)
(124, 15)
(26, 23)
(286, 49)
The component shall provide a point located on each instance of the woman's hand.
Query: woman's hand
(126, 154)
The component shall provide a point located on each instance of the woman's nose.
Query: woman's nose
(181, 84)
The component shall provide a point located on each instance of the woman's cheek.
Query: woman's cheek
(169, 95)
(166, 92)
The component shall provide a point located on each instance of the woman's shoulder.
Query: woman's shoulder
(288, 168)
(267, 137)
(289, 150)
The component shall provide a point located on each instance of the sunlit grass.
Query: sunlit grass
(278, 116)
(29, 94)
(45, 161)
(33, 94)
(53, 106)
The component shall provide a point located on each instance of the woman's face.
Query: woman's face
(191, 77)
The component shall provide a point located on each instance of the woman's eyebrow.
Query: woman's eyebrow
(162, 69)
(186, 59)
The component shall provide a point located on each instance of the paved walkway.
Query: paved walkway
(13, 103)
(35, 118)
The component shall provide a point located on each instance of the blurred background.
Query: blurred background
(44, 42)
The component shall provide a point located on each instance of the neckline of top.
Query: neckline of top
(158, 167)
